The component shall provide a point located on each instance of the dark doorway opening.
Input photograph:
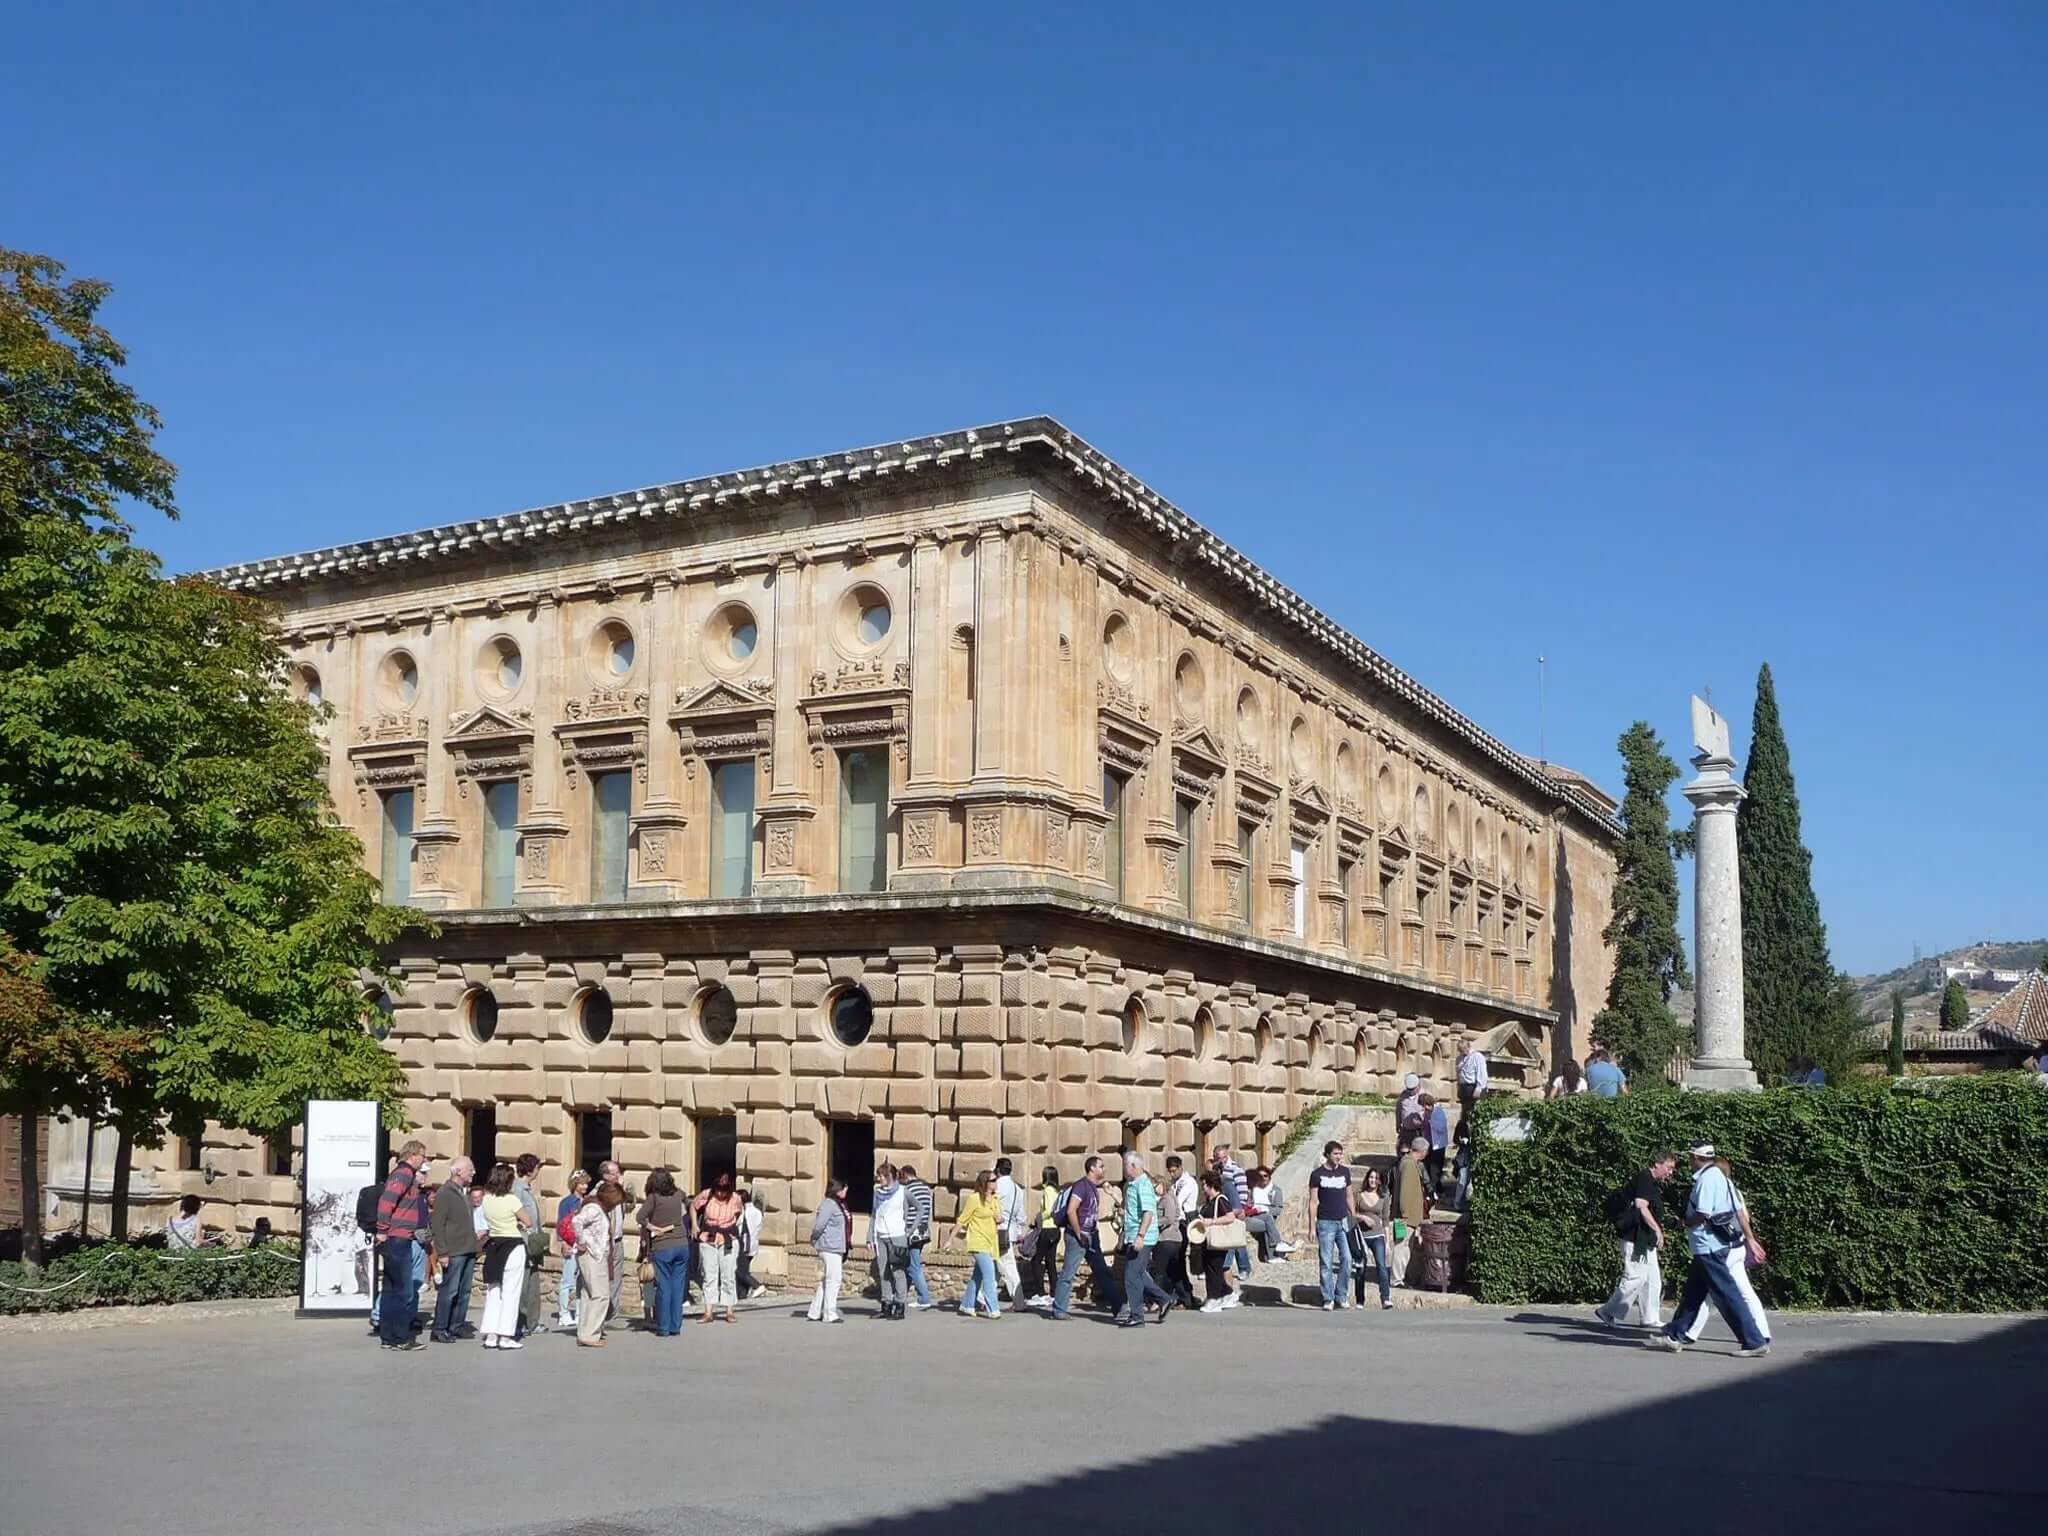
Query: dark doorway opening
(593, 1140)
(480, 1138)
(851, 1156)
(718, 1148)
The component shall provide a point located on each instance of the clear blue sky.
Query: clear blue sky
(1660, 344)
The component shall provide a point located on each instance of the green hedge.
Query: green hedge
(119, 1275)
(1926, 1195)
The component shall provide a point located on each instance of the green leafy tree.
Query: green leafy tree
(189, 928)
(1955, 1006)
(1790, 997)
(1649, 959)
(1895, 1059)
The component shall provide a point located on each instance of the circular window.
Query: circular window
(1119, 647)
(1300, 750)
(718, 1016)
(730, 638)
(851, 1015)
(612, 651)
(401, 679)
(1205, 1034)
(1187, 684)
(864, 618)
(594, 1015)
(1134, 1026)
(500, 667)
(1248, 718)
(480, 1013)
(1262, 1040)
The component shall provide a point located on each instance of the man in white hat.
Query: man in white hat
(1713, 1231)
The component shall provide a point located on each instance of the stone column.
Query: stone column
(1718, 1062)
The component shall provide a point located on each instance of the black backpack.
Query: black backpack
(1622, 1214)
(366, 1207)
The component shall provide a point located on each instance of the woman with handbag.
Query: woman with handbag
(977, 1222)
(719, 1213)
(1369, 1237)
(665, 1240)
(1041, 1246)
(505, 1224)
(1216, 1215)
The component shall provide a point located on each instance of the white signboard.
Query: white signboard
(337, 1260)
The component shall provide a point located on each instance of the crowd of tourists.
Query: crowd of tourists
(1144, 1241)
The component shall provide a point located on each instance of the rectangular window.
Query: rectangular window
(277, 1155)
(480, 1137)
(191, 1154)
(611, 803)
(501, 840)
(1246, 845)
(397, 847)
(593, 1140)
(718, 1148)
(1297, 861)
(1113, 789)
(850, 1155)
(732, 828)
(863, 820)
(1184, 824)
(1346, 881)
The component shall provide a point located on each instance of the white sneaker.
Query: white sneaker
(1754, 1354)
(510, 1344)
(1329, 1306)
(1344, 1306)
(1234, 1299)
(1283, 1248)
(1212, 1306)
(1043, 1303)
(1665, 1341)
(920, 1306)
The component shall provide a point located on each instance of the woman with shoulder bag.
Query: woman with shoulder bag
(665, 1239)
(1369, 1236)
(1215, 1211)
(719, 1213)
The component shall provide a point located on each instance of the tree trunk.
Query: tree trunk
(31, 1191)
(92, 1129)
(124, 1161)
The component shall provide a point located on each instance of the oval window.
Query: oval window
(594, 1016)
(718, 1016)
(852, 1016)
(619, 654)
(510, 666)
(483, 1015)
(1262, 1040)
(739, 643)
(1134, 1026)
(1205, 1034)
(873, 624)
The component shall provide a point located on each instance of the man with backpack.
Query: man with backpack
(403, 1229)
(1636, 1212)
(1078, 1212)
(917, 1225)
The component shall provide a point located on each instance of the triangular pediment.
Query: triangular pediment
(1397, 835)
(720, 699)
(1200, 744)
(1309, 796)
(1511, 1042)
(490, 722)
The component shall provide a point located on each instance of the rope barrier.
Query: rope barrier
(190, 1257)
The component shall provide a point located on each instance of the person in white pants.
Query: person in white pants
(831, 1233)
(1739, 1262)
(505, 1225)
(1639, 1295)
(1012, 1216)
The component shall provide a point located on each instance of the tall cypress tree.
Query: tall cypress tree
(1895, 1059)
(1788, 983)
(1649, 960)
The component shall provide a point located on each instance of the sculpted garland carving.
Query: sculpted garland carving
(1092, 860)
(1056, 839)
(1111, 694)
(605, 704)
(518, 765)
(781, 845)
(387, 726)
(536, 859)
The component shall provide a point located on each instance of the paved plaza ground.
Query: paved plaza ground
(1478, 1419)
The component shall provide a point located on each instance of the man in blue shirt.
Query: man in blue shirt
(1603, 1077)
(1141, 1234)
(1712, 1231)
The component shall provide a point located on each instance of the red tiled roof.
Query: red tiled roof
(2022, 1013)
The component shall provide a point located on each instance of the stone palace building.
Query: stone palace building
(944, 799)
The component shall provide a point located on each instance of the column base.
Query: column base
(1722, 1074)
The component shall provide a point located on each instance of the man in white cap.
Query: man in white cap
(1713, 1231)
(1408, 1113)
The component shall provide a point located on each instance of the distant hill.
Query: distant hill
(1921, 981)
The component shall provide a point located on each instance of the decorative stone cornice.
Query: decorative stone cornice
(1190, 546)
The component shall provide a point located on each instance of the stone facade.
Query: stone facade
(1117, 838)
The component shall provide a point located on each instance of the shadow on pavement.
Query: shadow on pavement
(1891, 1436)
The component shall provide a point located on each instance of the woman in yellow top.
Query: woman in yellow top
(978, 1219)
(505, 1220)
